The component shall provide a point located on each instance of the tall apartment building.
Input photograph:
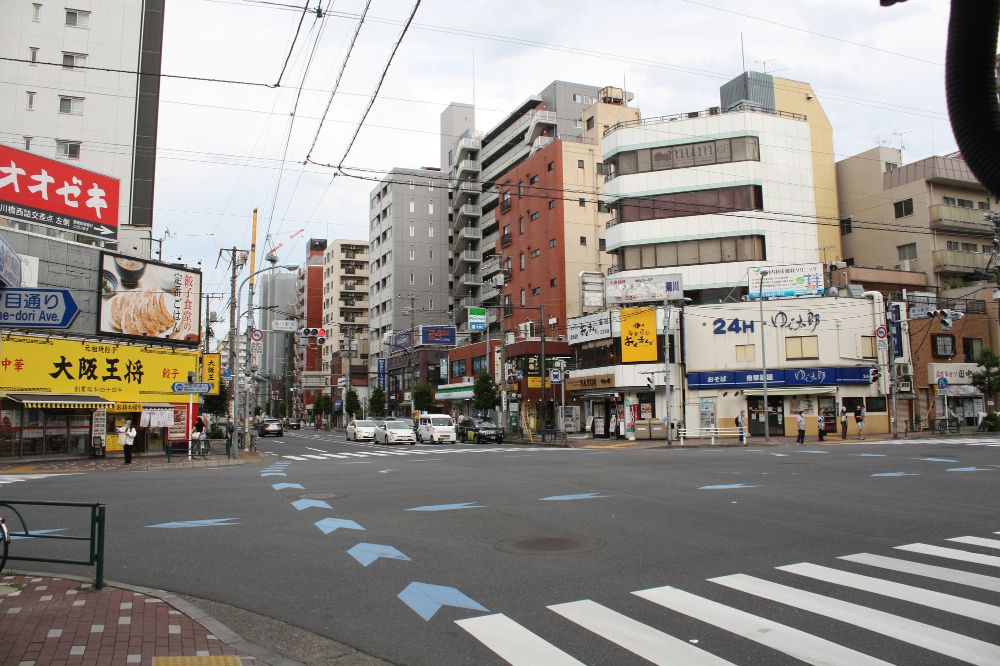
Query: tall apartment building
(345, 297)
(408, 258)
(476, 162)
(309, 312)
(711, 194)
(928, 216)
(52, 105)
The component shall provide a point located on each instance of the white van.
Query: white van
(436, 428)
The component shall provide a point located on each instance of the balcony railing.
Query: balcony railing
(469, 166)
(713, 111)
(470, 256)
(953, 261)
(955, 218)
(470, 233)
(471, 280)
(506, 240)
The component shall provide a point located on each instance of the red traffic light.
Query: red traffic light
(321, 332)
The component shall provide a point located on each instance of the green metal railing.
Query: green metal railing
(95, 540)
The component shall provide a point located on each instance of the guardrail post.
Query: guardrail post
(99, 548)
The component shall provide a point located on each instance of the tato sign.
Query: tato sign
(56, 194)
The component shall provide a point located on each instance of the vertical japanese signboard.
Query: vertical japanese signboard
(149, 300)
(55, 194)
(210, 369)
(638, 335)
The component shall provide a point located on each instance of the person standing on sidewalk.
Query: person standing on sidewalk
(843, 422)
(820, 425)
(126, 436)
(859, 420)
(741, 423)
(801, 421)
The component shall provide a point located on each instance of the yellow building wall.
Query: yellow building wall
(799, 97)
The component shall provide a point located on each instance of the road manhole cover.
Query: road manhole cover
(543, 545)
(321, 496)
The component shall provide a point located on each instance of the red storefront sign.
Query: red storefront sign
(55, 194)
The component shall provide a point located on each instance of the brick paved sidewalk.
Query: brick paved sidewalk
(47, 620)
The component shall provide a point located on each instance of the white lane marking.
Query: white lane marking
(977, 610)
(294, 457)
(14, 478)
(951, 553)
(334, 455)
(928, 570)
(977, 541)
(923, 635)
(649, 643)
(316, 450)
(313, 456)
(793, 642)
(515, 644)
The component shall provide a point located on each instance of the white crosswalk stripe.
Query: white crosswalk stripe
(16, 478)
(366, 451)
(519, 645)
(977, 541)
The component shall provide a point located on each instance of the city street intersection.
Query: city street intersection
(530, 555)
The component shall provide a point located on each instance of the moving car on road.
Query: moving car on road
(270, 427)
(408, 422)
(358, 430)
(293, 424)
(471, 429)
(436, 428)
(394, 431)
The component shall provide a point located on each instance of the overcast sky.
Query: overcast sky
(225, 149)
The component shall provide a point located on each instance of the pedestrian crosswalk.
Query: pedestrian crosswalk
(965, 640)
(16, 478)
(967, 441)
(382, 452)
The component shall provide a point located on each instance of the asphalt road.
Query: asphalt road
(548, 556)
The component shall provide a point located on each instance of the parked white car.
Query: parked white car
(394, 432)
(436, 428)
(358, 430)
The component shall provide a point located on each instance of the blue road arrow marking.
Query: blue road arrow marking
(210, 522)
(727, 486)
(425, 599)
(283, 486)
(447, 507)
(366, 553)
(566, 498)
(869, 455)
(22, 535)
(895, 474)
(970, 469)
(306, 503)
(937, 459)
(328, 525)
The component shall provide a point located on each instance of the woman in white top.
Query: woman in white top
(126, 436)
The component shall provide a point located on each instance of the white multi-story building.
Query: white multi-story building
(715, 193)
(345, 297)
(70, 90)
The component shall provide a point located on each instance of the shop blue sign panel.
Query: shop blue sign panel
(779, 377)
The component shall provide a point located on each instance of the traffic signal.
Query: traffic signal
(650, 382)
(945, 315)
(874, 375)
(320, 340)
(308, 332)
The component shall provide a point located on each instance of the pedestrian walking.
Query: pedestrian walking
(741, 423)
(843, 422)
(821, 425)
(859, 420)
(801, 421)
(126, 437)
(199, 428)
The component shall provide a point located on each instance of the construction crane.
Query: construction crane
(274, 250)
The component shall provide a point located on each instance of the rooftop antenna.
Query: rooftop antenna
(899, 136)
(743, 55)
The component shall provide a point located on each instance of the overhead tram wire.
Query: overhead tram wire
(160, 75)
(295, 38)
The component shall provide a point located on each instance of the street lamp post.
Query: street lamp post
(763, 357)
(237, 377)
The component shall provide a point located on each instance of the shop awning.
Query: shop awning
(157, 405)
(463, 391)
(59, 401)
(793, 390)
(963, 391)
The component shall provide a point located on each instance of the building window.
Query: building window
(412, 279)
(590, 123)
(536, 291)
(578, 122)
(413, 185)
(523, 301)
(552, 203)
(76, 18)
(969, 247)
(27, 143)
(458, 368)
(36, 12)
(551, 166)
(943, 345)
(430, 254)
(68, 149)
(520, 189)
(535, 254)
(868, 349)
(505, 201)
(32, 54)
(688, 204)
(430, 207)
(430, 279)
(413, 254)
(430, 231)
(413, 206)
(984, 205)
(949, 201)
(521, 261)
(579, 164)
(430, 304)
(601, 244)
(552, 242)
(533, 180)
(972, 348)
(692, 252)
(520, 224)
(506, 230)
(906, 252)
(72, 105)
(71, 60)
(890, 166)
(583, 241)
(965, 203)
(582, 202)
(430, 186)
(534, 216)
(553, 282)
(987, 249)
(903, 208)
(746, 352)
(802, 347)
(845, 226)
(953, 245)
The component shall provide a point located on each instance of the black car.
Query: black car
(471, 429)
(293, 424)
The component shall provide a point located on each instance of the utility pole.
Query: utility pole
(235, 265)
(413, 344)
(545, 393)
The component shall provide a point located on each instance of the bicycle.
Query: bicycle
(201, 448)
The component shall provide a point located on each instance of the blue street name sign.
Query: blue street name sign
(190, 387)
(25, 307)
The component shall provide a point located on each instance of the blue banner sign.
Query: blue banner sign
(442, 336)
(783, 377)
(380, 374)
(10, 265)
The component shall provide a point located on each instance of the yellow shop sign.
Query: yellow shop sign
(118, 372)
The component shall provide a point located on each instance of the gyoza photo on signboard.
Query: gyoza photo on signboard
(149, 300)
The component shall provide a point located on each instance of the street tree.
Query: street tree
(217, 404)
(323, 407)
(352, 405)
(485, 395)
(987, 379)
(423, 397)
(376, 402)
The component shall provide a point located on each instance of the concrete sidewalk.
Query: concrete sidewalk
(64, 620)
(141, 462)
(587, 442)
